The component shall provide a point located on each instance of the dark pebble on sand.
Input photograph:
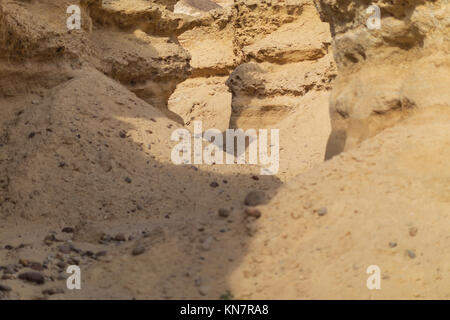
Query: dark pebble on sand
(410, 254)
(224, 213)
(64, 249)
(4, 288)
(68, 230)
(138, 250)
(32, 276)
(255, 198)
(120, 237)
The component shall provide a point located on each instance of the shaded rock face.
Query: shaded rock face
(195, 7)
(390, 114)
(386, 73)
(285, 48)
(275, 58)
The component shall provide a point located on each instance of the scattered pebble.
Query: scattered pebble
(392, 244)
(411, 254)
(224, 213)
(214, 184)
(101, 253)
(32, 276)
(128, 180)
(307, 205)
(322, 211)
(106, 237)
(64, 249)
(62, 275)
(413, 231)
(253, 212)
(138, 250)
(51, 292)
(49, 239)
(120, 237)
(255, 198)
(68, 230)
(206, 245)
(36, 266)
(122, 134)
(5, 288)
(9, 269)
(203, 290)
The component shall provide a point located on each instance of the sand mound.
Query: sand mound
(86, 175)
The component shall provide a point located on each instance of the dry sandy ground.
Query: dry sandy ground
(86, 176)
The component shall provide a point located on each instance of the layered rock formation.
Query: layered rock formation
(384, 202)
(386, 73)
(86, 118)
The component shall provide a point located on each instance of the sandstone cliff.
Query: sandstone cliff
(86, 118)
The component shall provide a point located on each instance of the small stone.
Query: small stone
(253, 212)
(49, 239)
(122, 134)
(214, 184)
(24, 262)
(68, 230)
(106, 238)
(32, 276)
(36, 266)
(77, 250)
(64, 249)
(322, 211)
(62, 276)
(411, 254)
(9, 269)
(307, 205)
(138, 250)
(61, 264)
(128, 180)
(224, 213)
(4, 288)
(50, 292)
(203, 290)
(206, 245)
(392, 244)
(255, 198)
(120, 237)
(413, 231)
(101, 253)
(88, 253)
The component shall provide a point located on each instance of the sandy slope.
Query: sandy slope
(86, 118)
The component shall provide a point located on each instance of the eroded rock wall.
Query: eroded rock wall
(385, 73)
